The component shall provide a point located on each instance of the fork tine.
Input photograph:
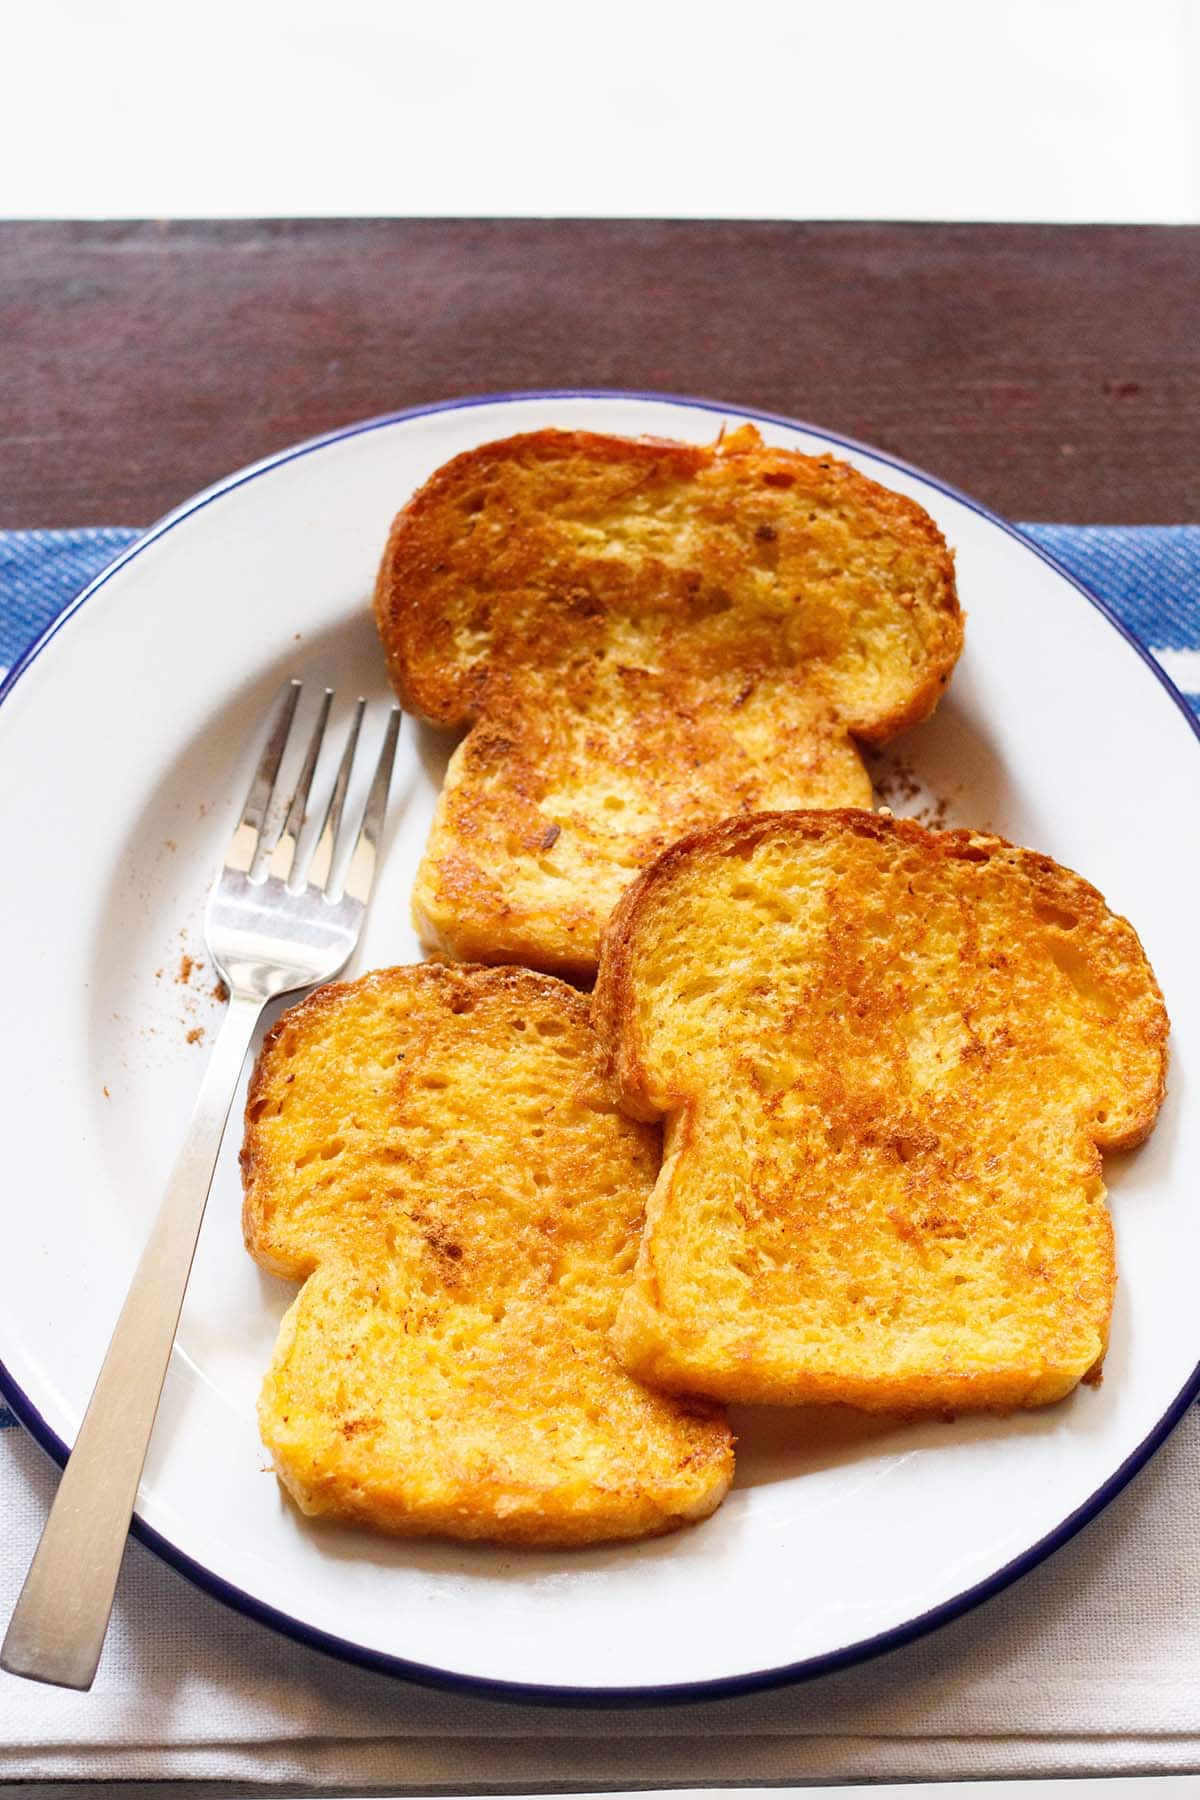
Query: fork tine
(322, 862)
(245, 838)
(360, 875)
(283, 856)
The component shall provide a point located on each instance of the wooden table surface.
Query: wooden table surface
(1052, 371)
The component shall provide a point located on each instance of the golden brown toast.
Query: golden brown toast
(437, 1154)
(644, 637)
(888, 1059)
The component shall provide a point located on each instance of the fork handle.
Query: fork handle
(57, 1629)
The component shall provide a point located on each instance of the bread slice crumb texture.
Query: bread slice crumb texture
(438, 1155)
(888, 1059)
(643, 638)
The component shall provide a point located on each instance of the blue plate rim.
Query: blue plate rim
(675, 1693)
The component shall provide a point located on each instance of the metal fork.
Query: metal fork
(272, 928)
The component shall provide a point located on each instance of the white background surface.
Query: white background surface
(1067, 110)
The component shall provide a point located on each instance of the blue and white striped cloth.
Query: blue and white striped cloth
(1148, 574)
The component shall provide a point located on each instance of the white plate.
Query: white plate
(122, 743)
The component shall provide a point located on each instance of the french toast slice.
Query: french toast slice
(888, 1059)
(644, 637)
(437, 1154)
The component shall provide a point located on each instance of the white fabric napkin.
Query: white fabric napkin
(1089, 1665)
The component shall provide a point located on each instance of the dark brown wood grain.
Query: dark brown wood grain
(1052, 371)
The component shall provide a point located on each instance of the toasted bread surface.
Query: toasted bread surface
(644, 637)
(438, 1155)
(888, 1059)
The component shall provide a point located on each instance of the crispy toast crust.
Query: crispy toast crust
(888, 1063)
(437, 1154)
(644, 637)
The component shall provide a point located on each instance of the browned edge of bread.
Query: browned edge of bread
(441, 695)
